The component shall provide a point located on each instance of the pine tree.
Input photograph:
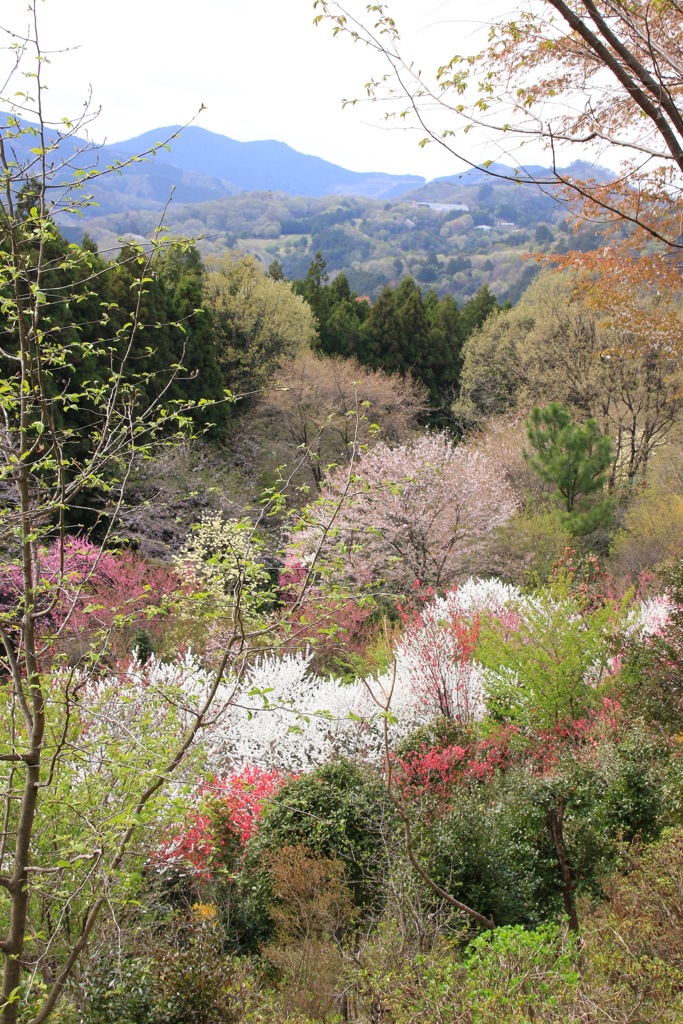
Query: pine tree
(575, 458)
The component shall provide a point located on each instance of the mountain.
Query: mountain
(453, 234)
(265, 166)
(202, 166)
(456, 188)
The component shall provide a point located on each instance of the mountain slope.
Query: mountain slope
(265, 166)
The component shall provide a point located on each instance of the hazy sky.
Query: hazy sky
(262, 69)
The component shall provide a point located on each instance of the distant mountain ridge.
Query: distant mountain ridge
(265, 166)
(202, 166)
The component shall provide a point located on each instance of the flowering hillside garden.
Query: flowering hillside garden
(341, 616)
(343, 729)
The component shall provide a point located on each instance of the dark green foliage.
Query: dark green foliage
(575, 458)
(180, 975)
(338, 811)
(476, 310)
(88, 309)
(114, 993)
(173, 330)
(339, 311)
(403, 332)
(180, 273)
(195, 982)
(494, 848)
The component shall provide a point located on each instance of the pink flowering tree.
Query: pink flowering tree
(89, 597)
(423, 510)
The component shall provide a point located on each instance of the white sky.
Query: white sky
(261, 67)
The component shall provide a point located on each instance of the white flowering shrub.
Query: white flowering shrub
(287, 717)
(279, 714)
(649, 617)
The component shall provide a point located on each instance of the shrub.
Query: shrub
(311, 910)
(633, 944)
(651, 680)
(549, 659)
(194, 982)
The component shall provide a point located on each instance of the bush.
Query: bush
(549, 659)
(194, 982)
(339, 812)
(518, 975)
(525, 550)
(651, 680)
(311, 912)
(490, 837)
(633, 944)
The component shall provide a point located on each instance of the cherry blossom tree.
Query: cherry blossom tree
(420, 511)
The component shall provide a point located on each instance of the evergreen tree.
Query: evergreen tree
(445, 342)
(181, 274)
(575, 458)
(402, 332)
(382, 345)
(476, 310)
(172, 330)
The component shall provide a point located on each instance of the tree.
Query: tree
(490, 381)
(407, 333)
(420, 511)
(523, 85)
(257, 319)
(339, 312)
(570, 340)
(320, 410)
(575, 458)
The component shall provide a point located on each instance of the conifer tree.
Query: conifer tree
(575, 458)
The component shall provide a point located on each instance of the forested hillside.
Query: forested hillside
(453, 236)
(341, 596)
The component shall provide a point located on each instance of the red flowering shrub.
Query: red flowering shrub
(437, 771)
(226, 814)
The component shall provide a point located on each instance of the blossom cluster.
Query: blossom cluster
(225, 815)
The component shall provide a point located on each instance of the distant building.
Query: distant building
(445, 207)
